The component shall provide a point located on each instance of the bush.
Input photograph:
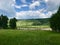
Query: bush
(55, 21)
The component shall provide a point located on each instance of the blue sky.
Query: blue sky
(28, 9)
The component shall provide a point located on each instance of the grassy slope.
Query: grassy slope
(28, 23)
(27, 37)
(24, 23)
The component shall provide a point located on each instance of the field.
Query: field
(33, 24)
(29, 34)
(28, 37)
(29, 23)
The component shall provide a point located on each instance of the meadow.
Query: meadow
(28, 37)
(29, 23)
(33, 24)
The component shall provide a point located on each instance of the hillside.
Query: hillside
(32, 22)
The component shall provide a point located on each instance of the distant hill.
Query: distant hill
(42, 21)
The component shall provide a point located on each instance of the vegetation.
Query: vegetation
(6, 23)
(13, 23)
(29, 37)
(32, 22)
(55, 21)
(3, 21)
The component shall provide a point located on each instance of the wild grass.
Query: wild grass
(28, 37)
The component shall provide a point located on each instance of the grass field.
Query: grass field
(29, 37)
(29, 23)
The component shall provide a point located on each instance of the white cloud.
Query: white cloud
(7, 6)
(46, 0)
(36, 3)
(52, 4)
(24, 5)
(17, 6)
(23, 1)
(32, 14)
(20, 6)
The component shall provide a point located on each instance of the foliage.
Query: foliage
(3, 21)
(12, 23)
(55, 21)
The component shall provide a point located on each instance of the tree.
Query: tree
(12, 23)
(55, 21)
(0, 22)
(3, 21)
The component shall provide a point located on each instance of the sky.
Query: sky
(29, 9)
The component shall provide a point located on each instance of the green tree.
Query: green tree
(12, 23)
(55, 21)
(3, 21)
(0, 22)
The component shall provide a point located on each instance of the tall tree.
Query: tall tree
(0, 22)
(12, 23)
(55, 21)
(3, 21)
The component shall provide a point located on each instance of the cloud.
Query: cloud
(51, 8)
(6, 5)
(20, 6)
(52, 5)
(46, 0)
(36, 3)
(16, 6)
(32, 14)
(23, 1)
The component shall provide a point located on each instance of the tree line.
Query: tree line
(6, 23)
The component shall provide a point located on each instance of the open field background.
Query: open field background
(28, 37)
(33, 24)
(32, 33)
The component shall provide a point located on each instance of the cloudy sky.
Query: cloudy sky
(28, 9)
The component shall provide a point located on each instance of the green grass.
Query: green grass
(24, 23)
(29, 37)
(28, 24)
